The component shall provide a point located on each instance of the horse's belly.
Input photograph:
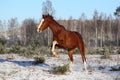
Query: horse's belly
(70, 41)
(68, 46)
(71, 44)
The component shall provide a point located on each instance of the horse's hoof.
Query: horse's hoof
(56, 55)
(70, 71)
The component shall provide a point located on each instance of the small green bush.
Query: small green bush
(15, 49)
(42, 50)
(61, 69)
(38, 60)
(3, 41)
(28, 53)
(92, 52)
(106, 54)
(2, 49)
(30, 50)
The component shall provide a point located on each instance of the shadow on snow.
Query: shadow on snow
(24, 63)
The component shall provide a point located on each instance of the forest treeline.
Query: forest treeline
(100, 31)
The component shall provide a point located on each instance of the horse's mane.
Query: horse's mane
(51, 17)
(57, 23)
(62, 26)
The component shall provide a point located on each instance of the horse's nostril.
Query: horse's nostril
(39, 30)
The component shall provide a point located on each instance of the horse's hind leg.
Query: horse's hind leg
(53, 49)
(70, 54)
(82, 51)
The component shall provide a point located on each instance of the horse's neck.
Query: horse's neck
(55, 27)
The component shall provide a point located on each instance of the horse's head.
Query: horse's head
(44, 22)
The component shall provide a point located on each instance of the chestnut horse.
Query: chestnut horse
(66, 39)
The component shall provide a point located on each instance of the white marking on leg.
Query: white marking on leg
(85, 66)
(53, 47)
(70, 66)
(40, 25)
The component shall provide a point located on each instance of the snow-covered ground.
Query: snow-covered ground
(16, 67)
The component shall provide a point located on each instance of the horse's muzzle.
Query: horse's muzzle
(39, 30)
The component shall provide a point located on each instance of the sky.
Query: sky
(23, 9)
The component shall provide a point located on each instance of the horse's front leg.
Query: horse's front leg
(53, 49)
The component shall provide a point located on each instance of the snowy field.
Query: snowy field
(16, 67)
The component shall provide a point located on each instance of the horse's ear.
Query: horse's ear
(49, 15)
(43, 16)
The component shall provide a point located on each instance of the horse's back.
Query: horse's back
(79, 35)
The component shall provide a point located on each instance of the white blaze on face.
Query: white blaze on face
(40, 25)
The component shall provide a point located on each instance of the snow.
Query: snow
(16, 67)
